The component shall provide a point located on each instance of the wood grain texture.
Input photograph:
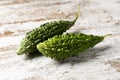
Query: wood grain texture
(97, 17)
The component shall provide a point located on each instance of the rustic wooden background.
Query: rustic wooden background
(97, 17)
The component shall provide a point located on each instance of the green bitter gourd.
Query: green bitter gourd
(63, 46)
(42, 33)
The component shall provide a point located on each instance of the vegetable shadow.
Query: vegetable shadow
(33, 55)
(92, 53)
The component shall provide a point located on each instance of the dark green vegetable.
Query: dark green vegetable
(63, 46)
(42, 33)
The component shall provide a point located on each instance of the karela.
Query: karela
(42, 33)
(63, 46)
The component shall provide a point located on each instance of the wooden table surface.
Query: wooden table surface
(97, 17)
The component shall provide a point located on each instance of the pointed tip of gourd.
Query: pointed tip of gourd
(19, 51)
(38, 46)
(77, 14)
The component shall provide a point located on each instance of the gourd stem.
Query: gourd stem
(107, 35)
(77, 14)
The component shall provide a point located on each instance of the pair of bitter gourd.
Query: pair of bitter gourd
(48, 40)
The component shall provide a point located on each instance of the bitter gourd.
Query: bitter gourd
(42, 33)
(63, 46)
